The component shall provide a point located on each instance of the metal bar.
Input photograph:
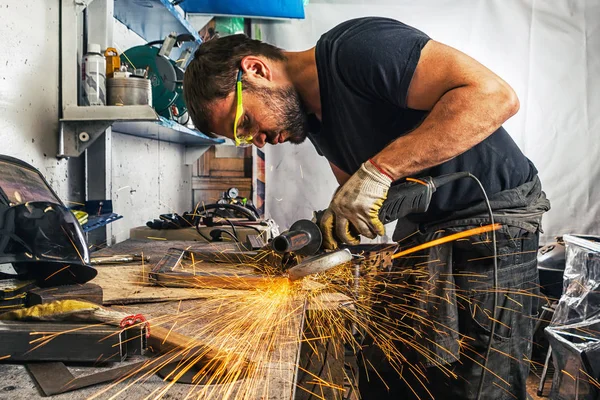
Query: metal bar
(540, 390)
(54, 378)
(35, 341)
(87, 292)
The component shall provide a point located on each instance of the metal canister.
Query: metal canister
(130, 91)
(93, 69)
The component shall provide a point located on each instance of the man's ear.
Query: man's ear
(256, 68)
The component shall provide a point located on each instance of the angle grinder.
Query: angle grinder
(304, 237)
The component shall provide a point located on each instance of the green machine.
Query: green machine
(165, 74)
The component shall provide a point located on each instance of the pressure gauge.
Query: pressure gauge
(233, 193)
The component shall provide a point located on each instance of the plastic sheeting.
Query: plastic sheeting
(574, 332)
(580, 300)
(546, 50)
(576, 358)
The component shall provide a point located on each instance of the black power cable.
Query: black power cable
(222, 231)
(232, 228)
(495, 300)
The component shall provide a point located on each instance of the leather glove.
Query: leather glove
(354, 209)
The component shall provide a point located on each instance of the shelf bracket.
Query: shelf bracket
(193, 153)
(81, 5)
(76, 136)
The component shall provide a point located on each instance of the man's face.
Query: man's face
(271, 114)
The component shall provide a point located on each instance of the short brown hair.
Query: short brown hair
(212, 72)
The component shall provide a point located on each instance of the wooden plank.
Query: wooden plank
(321, 372)
(211, 165)
(274, 378)
(130, 285)
(221, 183)
(155, 249)
(272, 372)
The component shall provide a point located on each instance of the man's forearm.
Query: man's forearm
(462, 118)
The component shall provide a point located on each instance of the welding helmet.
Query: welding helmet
(552, 256)
(39, 236)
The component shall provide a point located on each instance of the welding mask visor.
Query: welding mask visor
(39, 236)
(45, 242)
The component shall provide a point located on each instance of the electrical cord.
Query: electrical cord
(234, 237)
(417, 201)
(232, 228)
(495, 283)
(209, 240)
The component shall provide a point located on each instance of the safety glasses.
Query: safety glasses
(244, 139)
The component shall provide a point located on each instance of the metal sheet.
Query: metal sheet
(166, 131)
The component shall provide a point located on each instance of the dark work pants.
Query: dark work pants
(461, 273)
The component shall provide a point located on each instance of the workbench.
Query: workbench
(126, 290)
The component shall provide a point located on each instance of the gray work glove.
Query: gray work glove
(354, 208)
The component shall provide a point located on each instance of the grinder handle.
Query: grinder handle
(290, 241)
(413, 196)
(303, 238)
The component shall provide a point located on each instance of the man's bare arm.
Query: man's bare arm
(467, 103)
(340, 175)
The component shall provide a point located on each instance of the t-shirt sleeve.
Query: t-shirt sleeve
(377, 57)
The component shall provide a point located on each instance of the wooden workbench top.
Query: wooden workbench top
(196, 313)
(128, 283)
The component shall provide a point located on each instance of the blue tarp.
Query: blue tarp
(256, 8)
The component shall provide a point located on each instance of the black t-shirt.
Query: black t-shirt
(365, 67)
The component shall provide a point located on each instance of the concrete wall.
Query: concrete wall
(149, 177)
(29, 81)
(145, 177)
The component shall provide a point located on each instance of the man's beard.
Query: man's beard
(285, 104)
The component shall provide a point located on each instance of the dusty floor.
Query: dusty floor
(532, 387)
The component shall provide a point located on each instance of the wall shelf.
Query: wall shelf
(166, 131)
(154, 20)
(81, 126)
(109, 113)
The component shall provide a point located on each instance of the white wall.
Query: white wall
(548, 50)
(148, 177)
(29, 89)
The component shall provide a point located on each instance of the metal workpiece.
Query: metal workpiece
(70, 342)
(118, 259)
(319, 263)
(374, 257)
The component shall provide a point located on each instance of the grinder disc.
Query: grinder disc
(320, 263)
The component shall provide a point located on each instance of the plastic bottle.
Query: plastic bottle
(93, 77)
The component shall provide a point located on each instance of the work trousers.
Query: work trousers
(441, 300)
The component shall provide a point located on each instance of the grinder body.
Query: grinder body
(304, 237)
